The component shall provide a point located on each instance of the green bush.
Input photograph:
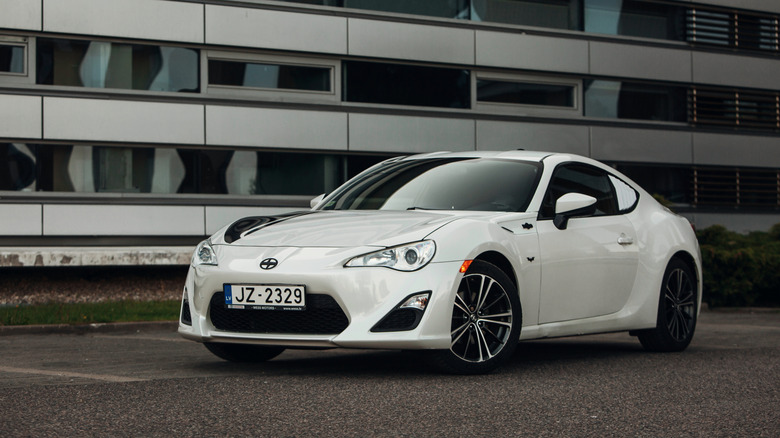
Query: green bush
(740, 269)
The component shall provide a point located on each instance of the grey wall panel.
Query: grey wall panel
(123, 220)
(408, 134)
(275, 128)
(218, 217)
(738, 71)
(123, 121)
(20, 116)
(754, 5)
(493, 135)
(20, 14)
(531, 52)
(642, 145)
(633, 61)
(736, 150)
(21, 220)
(233, 26)
(145, 19)
(411, 41)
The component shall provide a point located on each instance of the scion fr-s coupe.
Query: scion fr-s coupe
(457, 254)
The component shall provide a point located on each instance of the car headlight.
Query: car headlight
(204, 254)
(409, 257)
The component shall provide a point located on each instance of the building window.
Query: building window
(735, 108)
(526, 93)
(99, 64)
(670, 184)
(269, 76)
(12, 58)
(635, 18)
(410, 85)
(638, 101)
(430, 8)
(104, 169)
(742, 30)
(555, 14)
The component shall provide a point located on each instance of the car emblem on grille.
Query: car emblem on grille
(268, 264)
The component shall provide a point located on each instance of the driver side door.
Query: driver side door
(589, 267)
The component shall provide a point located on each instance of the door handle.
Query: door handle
(625, 240)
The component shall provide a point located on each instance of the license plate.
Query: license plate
(265, 296)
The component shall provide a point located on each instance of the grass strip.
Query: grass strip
(88, 313)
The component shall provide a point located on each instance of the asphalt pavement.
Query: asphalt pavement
(143, 380)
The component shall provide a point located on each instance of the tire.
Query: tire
(677, 310)
(242, 352)
(486, 321)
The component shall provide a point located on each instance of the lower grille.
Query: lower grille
(323, 316)
(186, 316)
(399, 320)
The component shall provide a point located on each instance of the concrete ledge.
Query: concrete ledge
(95, 256)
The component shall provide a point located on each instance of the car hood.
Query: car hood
(333, 229)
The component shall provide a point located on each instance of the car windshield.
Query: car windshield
(479, 184)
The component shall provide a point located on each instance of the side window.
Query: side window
(627, 197)
(580, 178)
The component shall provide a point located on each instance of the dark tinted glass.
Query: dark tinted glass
(11, 59)
(557, 14)
(625, 100)
(398, 84)
(525, 93)
(635, 18)
(99, 64)
(431, 8)
(276, 76)
(441, 184)
(578, 178)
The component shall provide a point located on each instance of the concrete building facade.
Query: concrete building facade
(132, 129)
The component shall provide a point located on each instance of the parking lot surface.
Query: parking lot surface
(149, 382)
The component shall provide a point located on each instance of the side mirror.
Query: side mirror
(572, 205)
(313, 203)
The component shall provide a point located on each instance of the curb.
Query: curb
(113, 327)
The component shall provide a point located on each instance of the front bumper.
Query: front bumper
(365, 295)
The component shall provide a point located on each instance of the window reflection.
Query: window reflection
(273, 76)
(556, 14)
(98, 64)
(11, 58)
(626, 100)
(635, 18)
(101, 169)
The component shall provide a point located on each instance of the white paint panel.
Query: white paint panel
(123, 220)
(409, 134)
(145, 19)
(275, 128)
(119, 120)
(633, 61)
(411, 41)
(643, 145)
(492, 135)
(738, 71)
(20, 116)
(531, 52)
(234, 26)
(218, 217)
(736, 150)
(20, 220)
(20, 14)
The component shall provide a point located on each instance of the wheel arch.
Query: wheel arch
(501, 262)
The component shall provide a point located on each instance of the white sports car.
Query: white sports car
(458, 254)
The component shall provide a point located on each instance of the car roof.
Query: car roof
(520, 155)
